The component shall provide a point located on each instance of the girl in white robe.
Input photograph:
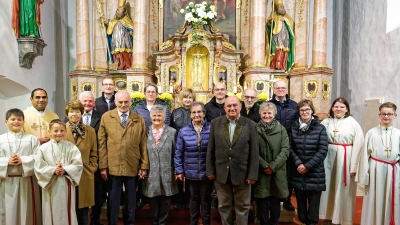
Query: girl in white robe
(58, 168)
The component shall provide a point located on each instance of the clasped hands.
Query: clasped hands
(268, 170)
(15, 160)
(59, 170)
(302, 169)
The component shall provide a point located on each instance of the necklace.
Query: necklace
(14, 153)
(387, 147)
(57, 157)
(336, 126)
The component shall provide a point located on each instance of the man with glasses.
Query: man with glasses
(286, 115)
(249, 107)
(215, 107)
(105, 102)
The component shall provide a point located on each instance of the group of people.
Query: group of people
(244, 150)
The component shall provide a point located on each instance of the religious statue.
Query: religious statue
(197, 68)
(120, 37)
(280, 39)
(26, 18)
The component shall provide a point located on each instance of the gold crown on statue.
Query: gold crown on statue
(278, 2)
(121, 3)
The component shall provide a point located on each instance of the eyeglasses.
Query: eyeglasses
(108, 85)
(219, 89)
(305, 110)
(151, 92)
(386, 114)
(280, 88)
(197, 112)
(249, 97)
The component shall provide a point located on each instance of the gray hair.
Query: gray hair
(268, 106)
(151, 84)
(203, 108)
(251, 89)
(86, 93)
(158, 108)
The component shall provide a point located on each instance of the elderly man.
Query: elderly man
(122, 154)
(215, 107)
(286, 115)
(106, 102)
(249, 107)
(38, 117)
(232, 161)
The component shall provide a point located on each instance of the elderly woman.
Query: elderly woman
(84, 137)
(190, 163)
(274, 151)
(309, 146)
(180, 117)
(160, 184)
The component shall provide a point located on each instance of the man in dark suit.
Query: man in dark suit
(232, 161)
(250, 109)
(105, 102)
(92, 118)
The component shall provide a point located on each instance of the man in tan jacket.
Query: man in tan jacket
(122, 154)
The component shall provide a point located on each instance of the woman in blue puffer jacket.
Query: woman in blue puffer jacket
(190, 163)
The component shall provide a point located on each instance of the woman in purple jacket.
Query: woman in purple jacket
(190, 163)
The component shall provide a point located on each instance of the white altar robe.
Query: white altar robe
(376, 176)
(58, 192)
(19, 192)
(338, 201)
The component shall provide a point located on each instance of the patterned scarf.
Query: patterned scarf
(77, 131)
(157, 134)
(267, 127)
(304, 126)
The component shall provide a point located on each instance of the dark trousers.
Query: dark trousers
(200, 195)
(100, 195)
(159, 209)
(269, 210)
(308, 206)
(82, 215)
(183, 196)
(115, 198)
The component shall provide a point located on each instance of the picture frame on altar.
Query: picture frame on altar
(222, 75)
(172, 20)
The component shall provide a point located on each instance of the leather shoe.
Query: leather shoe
(178, 206)
(94, 222)
(139, 202)
(186, 206)
(288, 205)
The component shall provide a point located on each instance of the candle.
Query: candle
(159, 89)
(234, 89)
(171, 89)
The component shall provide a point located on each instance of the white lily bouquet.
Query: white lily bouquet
(199, 14)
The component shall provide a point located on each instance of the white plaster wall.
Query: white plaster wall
(373, 63)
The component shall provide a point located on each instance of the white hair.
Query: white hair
(86, 93)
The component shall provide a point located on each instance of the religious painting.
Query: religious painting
(222, 75)
(260, 85)
(74, 90)
(311, 88)
(87, 86)
(135, 86)
(172, 75)
(120, 84)
(326, 89)
(174, 19)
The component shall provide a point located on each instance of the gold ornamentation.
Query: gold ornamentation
(311, 88)
(212, 29)
(154, 13)
(74, 90)
(232, 78)
(121, 3)
(87, 86)
(165, 77)
(228, 45)
(166, 45)
(238, 75)
(300, 13)
(197, 37)
(260, 86)
(120, 84)
(326, 89)
(238, 3)
(201, 98)
(135, 86)
(216, 66)
(246, 9)
(157, 73)
(197, 68)
(281, 77)
(183, 28)
(321, 65)
(178, 70)
(161, 4)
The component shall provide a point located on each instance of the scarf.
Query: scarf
(268, 127)
(77, 131)
(157, 135)
(304, 126)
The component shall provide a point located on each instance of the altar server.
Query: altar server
(379, 170)
(19, 192)
(58, 168)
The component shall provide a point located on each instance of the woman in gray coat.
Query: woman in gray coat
(160, 184)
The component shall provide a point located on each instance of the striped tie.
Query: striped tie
(124, 119)
(87, 119)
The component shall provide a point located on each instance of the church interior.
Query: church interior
(340, 48)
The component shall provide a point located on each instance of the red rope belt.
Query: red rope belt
(345, 160)
(393, 164)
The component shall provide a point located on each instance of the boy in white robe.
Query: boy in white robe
(379, 170)
(58, 168)
(19, 192)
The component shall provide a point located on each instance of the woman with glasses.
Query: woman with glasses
(345, 138)
(190, 163)
(309, 146)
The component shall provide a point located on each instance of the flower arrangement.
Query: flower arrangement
(167, 98)
(239, 96)
(262, 98)
(199, 14)
(230, 94)
(136, 97)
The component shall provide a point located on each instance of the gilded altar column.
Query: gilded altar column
(319, 34)
(100, 62)
(82, 36)
(301, 35)
(257, 33)
(140, 35)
